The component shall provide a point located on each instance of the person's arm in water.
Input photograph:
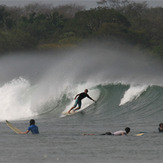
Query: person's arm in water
(26, 132)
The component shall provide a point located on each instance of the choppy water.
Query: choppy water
(128, 91)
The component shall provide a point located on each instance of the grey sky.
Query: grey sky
(85, 3)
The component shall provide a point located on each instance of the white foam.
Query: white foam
(15, 103)
(133, 93)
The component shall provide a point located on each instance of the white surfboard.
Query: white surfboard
(16, 130)
(65, 112)
(72, 112)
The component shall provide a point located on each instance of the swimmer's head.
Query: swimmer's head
(32, 122)
(160, 124)
(127, 129)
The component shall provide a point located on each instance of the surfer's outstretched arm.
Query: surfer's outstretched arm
(26, 132)
(91, 98)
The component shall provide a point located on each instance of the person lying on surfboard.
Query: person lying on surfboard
(78, 102)
(33, 128)
(117, 133)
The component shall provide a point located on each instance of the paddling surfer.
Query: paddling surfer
(117, 133)
(78, 100)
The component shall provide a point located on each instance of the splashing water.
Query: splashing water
(15, 100)
(132, 93)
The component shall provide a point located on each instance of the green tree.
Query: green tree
(6, 21)
(14, 40)
(68, 11)
(87, 23)
(41, 26)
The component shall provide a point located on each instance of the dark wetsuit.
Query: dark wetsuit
(80, 97)
(83, 95)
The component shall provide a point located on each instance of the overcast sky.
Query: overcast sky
(85, 3)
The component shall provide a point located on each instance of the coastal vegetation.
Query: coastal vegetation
(41, 27)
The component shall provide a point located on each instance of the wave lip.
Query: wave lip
(133, 93)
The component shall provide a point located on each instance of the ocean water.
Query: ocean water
(129, 92)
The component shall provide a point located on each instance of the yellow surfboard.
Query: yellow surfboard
(141, 134)
(16, 130)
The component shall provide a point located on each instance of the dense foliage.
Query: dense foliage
(40, 27)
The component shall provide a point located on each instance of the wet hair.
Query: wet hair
(127, 129)
(86, 90)
(160, 124)
(32, 122)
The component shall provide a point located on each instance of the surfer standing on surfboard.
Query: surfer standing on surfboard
(79, 99)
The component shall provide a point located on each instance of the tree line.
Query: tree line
(38, 26)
